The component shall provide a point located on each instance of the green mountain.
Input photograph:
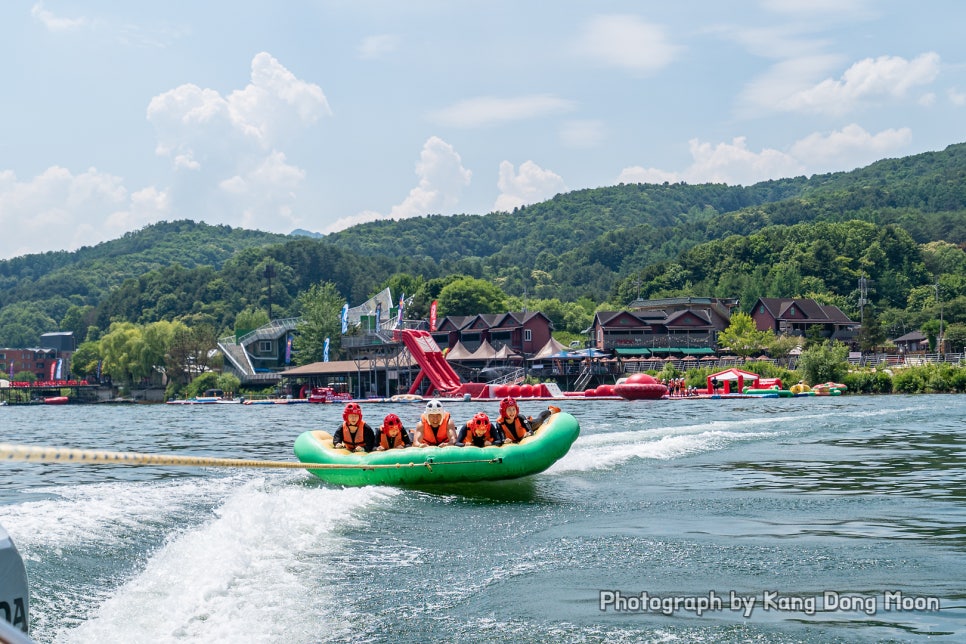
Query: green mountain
(899, 222)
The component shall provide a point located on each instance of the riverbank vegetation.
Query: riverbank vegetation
(898, 226)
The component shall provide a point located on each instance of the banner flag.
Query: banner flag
(402, 306)
(288, 349)
(345, 318)
(378, 315)
(432, 316)
(325, 350)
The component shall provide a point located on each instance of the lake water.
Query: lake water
(777, 520)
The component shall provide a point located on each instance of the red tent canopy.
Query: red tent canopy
(730, 375)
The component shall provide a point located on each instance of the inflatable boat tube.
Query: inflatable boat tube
(415, 466)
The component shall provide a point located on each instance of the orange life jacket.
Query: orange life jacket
(439, 435)
(471, 435)
(398, 441)
(514, 431)
(352, 440)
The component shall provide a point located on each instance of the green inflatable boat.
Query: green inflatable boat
(414, 466)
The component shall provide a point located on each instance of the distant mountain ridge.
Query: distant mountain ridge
(581, 244)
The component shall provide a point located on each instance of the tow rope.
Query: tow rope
(33, 454)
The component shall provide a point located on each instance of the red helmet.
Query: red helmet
(352, 408)
(391, 420)
(481, 420)
(507, 402)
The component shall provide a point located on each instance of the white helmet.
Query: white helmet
(434, 407)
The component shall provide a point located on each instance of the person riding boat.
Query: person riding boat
(436, 427)
(392, 434)
(535, 423)
(513, 426)
(354, 435)
(479, 431)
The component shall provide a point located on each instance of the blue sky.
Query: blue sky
(318, 115)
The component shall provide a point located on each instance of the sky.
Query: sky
(318, 115)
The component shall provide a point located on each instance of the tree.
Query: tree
(321, 308)
(123, 349)
(783, 345)
(955, 335)
(228, 382)
(825, 362)
(84, 361)
(78, 319)
(21, 324)
(743, 338)
(871, 334)
(190, 352)
(250, 319)
(469, 296)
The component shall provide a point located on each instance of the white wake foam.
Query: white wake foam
(255, 572)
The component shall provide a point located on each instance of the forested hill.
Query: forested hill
(586, 239)
(590, 244)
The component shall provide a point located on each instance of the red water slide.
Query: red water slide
(430, 359)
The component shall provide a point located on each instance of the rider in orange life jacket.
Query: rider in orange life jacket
(515, 427)
(392, 434)
(479, 431)
(435, 428)
(354, 435)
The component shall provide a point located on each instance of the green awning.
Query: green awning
(687, 351)
(632, 351)
(697, 351)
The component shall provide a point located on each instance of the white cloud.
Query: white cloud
(347, 222)
(786, 78)
(582, 134)
(379, 46)
(58, 209)
(825, 7)
(56, 23)
(628, 42)
(264, 195)
(442, 178)
(273, 106)
(956, 97)
(231, 146)
(531, 185)
(868, 79)
(488, 110)
(777, 42)
(639, 174)
(850, 146)
(733, 163)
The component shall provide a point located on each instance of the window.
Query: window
(527, 335)
(264, 346)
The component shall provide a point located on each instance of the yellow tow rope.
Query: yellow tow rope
(33, 454)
